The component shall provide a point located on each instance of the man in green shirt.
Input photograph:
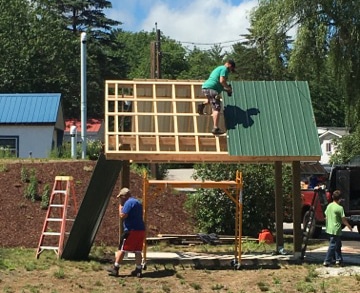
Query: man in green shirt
(212, 88)
(335, 217)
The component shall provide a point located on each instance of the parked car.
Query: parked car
(308, 197)
(345, 178)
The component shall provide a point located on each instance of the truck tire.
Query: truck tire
(315, 231)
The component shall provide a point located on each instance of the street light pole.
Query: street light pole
(83, 94)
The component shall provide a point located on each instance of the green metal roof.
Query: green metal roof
(271, 118)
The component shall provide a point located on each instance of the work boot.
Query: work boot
(113, 271)
(136, 273)
(216, 131)
(200, 108)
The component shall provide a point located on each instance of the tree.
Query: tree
(214, 212)
(199, 65)
(173, 59)
(346, 148)
(104, 58)
(250, 65)
(327, 42)
(137, 54)
(83, 15)
(32, 61)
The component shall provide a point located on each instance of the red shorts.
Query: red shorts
(133, 241)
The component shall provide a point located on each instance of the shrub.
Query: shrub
(5, 152)
(45, 197)
(31, 190)
(3, 168)
(94, 148)
(24, 175)
(214, 211)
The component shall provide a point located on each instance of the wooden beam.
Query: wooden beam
(167, 140)
(193, 184)
(279, 209)
(209, 157)
(296, 191)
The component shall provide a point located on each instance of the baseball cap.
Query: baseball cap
(124, 191)
(232, 63)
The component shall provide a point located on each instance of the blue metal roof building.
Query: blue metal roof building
(29, 108)
(31, 125)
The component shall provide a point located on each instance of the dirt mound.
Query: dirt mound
(21, 220)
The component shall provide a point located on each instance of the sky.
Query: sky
(192, 22)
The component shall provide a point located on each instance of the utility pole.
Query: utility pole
(155, 73)
(158, 53)
(155, 55)
(153, 60)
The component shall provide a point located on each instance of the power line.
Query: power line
(211, 44)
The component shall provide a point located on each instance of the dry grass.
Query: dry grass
(21, 272)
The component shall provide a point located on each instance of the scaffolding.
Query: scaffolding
(233, 189)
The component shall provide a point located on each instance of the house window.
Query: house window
(9, 146)
(328, 147)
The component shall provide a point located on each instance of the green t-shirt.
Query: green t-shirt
(334, 214)
(213, 82)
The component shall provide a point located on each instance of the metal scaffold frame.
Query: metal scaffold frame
(233, 189)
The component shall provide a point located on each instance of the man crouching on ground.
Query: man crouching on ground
(132, 238)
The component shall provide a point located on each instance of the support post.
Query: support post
(239, 188)
(144, 203)
(124, 182)
(296, 191)
(279, 215)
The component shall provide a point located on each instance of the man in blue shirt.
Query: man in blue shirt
(212, 88)
(132, 239)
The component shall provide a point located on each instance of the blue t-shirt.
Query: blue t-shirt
(134, 220)
(213, 82)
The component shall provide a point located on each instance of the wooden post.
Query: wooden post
(279, 215)
(124, 182)
(155, 73)
(152, 60)
(296, 191)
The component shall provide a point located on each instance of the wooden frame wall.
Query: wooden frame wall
(157, 120)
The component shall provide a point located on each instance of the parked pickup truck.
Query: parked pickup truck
(346, 178)
(308, 197)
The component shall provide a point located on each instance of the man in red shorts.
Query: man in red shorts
(131, 212)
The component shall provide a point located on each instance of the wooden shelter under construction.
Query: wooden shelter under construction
(156, 121)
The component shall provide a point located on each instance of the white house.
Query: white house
(327, 137)
(31, 125)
